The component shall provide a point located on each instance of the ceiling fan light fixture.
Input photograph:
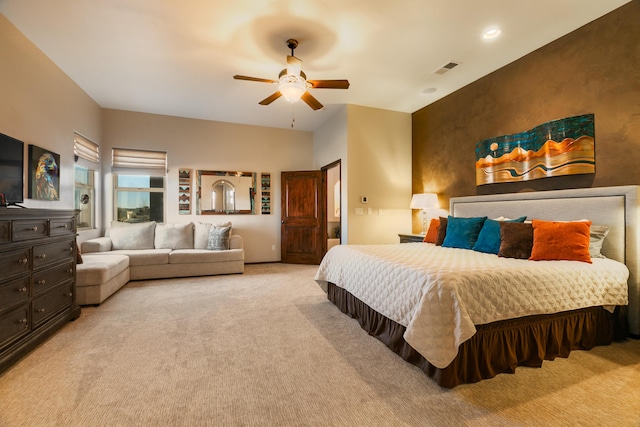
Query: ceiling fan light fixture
(292, 87)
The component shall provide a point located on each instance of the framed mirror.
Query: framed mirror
(225, 192)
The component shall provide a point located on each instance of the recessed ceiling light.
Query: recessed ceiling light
(491, 33)
(428, 90)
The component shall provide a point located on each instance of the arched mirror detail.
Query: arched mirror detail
(225, 192)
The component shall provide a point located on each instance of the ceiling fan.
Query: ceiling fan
(293, 84)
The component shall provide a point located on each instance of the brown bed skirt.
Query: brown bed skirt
(497, 347)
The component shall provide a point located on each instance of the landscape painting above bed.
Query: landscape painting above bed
(559, 147)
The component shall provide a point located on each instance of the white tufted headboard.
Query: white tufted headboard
(615, 207)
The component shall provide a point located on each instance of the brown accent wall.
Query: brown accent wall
(595, 69)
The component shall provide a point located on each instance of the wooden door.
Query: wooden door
(303, 234)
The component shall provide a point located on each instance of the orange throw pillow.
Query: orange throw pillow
(432, 233)
(561, 241)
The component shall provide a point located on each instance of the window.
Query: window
(84, 197)
(87, 165)
(139, 181)
(139, 198)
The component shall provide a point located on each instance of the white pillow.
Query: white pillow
(132, 236)
(597, 233)
(201, 234)
(174, 236)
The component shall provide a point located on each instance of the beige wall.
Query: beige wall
(209, 145)
(41, 105)
(591, 70)
(379, 153)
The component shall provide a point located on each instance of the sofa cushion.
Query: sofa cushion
(201, 233)
(186, 256)
(97, 269)
(174, 236)
(145, 256)
(132, 236)
(219, 238)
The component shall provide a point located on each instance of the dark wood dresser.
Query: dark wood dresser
(37, 278)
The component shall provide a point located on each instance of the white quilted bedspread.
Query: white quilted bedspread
(439, 294)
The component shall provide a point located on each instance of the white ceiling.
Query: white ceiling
(177, 57)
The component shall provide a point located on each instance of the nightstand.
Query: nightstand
(409, 238)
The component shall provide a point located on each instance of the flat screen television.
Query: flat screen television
(11, 171)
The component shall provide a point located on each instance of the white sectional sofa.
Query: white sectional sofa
(152, 251)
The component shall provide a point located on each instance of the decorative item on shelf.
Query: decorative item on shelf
(44, 174)
(425, 202)
(184, 191)
(265, 189)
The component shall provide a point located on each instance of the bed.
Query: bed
(455, 314)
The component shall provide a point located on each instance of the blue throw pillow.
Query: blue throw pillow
(489, 237)
(463, 232)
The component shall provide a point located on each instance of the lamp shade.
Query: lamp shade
(425, 201)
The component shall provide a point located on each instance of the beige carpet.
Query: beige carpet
(267, 349)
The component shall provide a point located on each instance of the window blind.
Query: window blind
(139, 159)
(85, 149)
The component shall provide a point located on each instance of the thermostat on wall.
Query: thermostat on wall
(364, 199)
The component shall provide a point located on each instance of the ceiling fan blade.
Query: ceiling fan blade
(254, 79)
(329, 84)
(294, 65)
(269, 99)
(311, 101)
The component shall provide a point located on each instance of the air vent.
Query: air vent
(447, 67)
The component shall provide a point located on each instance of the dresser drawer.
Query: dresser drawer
(14, 292)
(53, 252)
(5, 232)
(13, 324)
(15, 262)
(52, 302)
(28, 230)
(62, 226)
(50, 277)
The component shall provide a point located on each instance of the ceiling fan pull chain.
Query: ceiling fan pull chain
(293, 116)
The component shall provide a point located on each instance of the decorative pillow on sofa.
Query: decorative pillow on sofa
(174, 236)
(201, 233)
(442, 231)
(132, 236)
(516, 240)
(219, 238)
(489, 237)
(554, 240)
(432, 233)
(462, 232)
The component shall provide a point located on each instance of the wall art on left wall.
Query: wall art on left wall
(44, 174)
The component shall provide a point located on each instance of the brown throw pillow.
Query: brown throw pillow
(442, 231)
(516, 240)
(78, 254)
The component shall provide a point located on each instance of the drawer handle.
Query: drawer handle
(23, 261)
(34, 228)
(70, 270)
(41, 256)
(68, 294)
(41, 282)
(63, 226)
(41, 310)
(70, 249)
(22, 320)
(23, 290)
